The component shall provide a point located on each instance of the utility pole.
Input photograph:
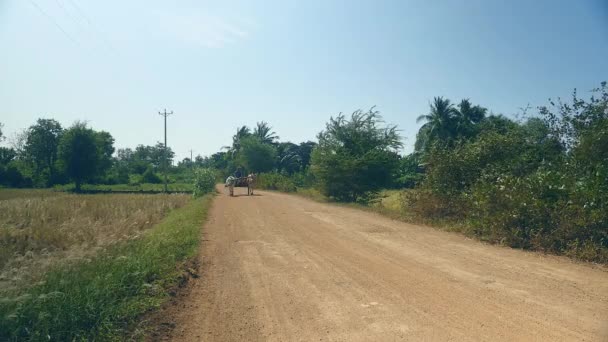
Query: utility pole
(165, 114)
(191, 161)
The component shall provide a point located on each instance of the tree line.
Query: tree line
(46, 154)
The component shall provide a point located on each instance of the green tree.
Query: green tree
(149, 176)
(105, 150)
(264, 132)
(241, 133)
(289, 159)
(79, 154)
(440, 124)
(255, 155)
(40, 149)
(468, 117)
(7, 154)
(355, 157)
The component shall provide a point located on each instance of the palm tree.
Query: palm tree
(440, 123)
(241, 132)
(264, 132)
(468, 117)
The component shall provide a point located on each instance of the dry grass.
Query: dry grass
(38, 232)
(6, 194)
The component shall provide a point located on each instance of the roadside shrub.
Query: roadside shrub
(424, 205)
(150, 176)
(275, 181)
(204, 181)
(355, 157)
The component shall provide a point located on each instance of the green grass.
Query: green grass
(100, 299)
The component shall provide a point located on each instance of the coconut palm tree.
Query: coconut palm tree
(241, 132)
(440, 123)
(468, 117)
(264, 132)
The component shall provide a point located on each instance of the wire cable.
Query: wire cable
(49, 17)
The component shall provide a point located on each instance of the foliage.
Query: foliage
(276, 181)
(539, 184)
(97, 299)
(78, 153)
(255, 155)
(204, 181)
(355, 157)
(264, 133)
(446, 124)
(410, 172)
(149, 176)
(40, 150)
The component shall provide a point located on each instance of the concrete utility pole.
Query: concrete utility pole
(165, 114)
(191, 161)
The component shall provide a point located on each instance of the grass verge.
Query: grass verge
(100, 299)
(171, 187)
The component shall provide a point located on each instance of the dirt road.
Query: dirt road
(282, 268)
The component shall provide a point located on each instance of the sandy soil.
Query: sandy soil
(277, 267)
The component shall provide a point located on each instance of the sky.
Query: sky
(219, 65)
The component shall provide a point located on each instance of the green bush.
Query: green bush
(204, 181)
(355, 157)
(150, 176)
(275, 181)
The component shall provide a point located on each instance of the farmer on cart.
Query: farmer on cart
(238, 173)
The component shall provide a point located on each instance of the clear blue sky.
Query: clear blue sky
(222, 64)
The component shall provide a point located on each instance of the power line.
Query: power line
(65, 10)
(55, 23)
(93, 27)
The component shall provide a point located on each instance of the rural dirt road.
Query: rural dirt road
(277, 267)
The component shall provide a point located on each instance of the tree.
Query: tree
(41, 148)
(264, 132)
(105, 149)
(289, 159)
(7, 154)
(79, 153)
(355, 157)
(440, 124)
(241, 133)
(304, 151)
(467, 118)
(255, 155)
(149, 176)
(1, 134)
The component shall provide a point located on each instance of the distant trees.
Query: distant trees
(40, 149)
(356, 156)
(138, 160)
(83, 153)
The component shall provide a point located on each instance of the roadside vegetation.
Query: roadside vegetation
(539, 182)
(86, 267)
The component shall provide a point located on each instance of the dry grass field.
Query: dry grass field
(39, 229)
